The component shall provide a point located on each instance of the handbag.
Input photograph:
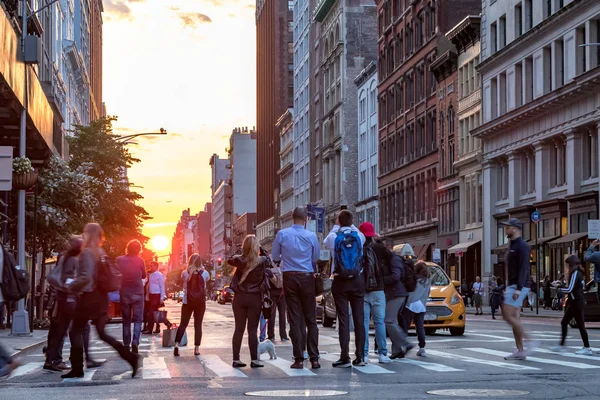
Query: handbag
(169, 334)
(160, 317)
(267, 305)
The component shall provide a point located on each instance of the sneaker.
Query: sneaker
(383, 359)
(407, 348)
(421, 353)
(558, 349)
(359, 362)
(63, 366)
(585, 351)
(342, 364)
(517, 355)
(51, 368)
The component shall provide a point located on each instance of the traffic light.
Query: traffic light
(220, 261)
(219, 276)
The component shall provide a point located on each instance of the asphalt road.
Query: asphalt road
(471, 362)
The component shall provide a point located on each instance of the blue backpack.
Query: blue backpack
(348, 254)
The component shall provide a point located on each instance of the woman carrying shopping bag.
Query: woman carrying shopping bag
(194, 301)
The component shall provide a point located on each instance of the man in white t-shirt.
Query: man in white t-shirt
(478, 296)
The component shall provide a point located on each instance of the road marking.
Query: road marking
(155, 368)
(284, 365)
(220, 367)
(571, 355)
(327, 340)
(87, 376)
(26, 369)
(539, 360)
(500, 338)
(428, 365)
(367, 369)
(517, 367)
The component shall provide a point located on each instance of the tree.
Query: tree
(116, 210)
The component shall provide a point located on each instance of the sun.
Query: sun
(160, 243)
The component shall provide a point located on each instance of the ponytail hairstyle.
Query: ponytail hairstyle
(421, 271)
(194, 263)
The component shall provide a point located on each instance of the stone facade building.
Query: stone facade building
(287, 173)
(346, 42)
(540, 126)
(367, 208)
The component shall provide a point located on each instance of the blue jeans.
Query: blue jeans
(263, 329)
(375, 305)
(132, 305)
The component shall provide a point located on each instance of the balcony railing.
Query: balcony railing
(469, 101)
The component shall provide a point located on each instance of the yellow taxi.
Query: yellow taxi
(445, 306)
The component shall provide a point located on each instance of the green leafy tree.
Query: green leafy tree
(116, 209)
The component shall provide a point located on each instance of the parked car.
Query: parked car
(445, 306)
(225, 296)
(591, 311)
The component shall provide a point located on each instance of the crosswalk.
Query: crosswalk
(157, 365)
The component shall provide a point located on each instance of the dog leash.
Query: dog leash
(264, 327)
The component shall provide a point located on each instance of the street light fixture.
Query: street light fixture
(126, 138)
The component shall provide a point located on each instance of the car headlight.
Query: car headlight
(456, 299)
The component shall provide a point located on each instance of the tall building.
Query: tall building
(219, 171)
(182, 244)
(465, 37)
(82, 57)
(540, 127)
(285, 125)
(367, 208)
(244, 225)
(302, 122)
(242, 163)
(410, 39)
(221, 222)
(96, 105)
(347, 38)
(445, 70)
(274, 94)
(202, 238)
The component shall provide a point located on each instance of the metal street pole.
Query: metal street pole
(20, 323)
(537, 267)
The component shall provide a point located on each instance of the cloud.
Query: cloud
(173, 8)
(192, 19)
(119, 9)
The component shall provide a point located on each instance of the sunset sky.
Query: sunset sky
(187, 66)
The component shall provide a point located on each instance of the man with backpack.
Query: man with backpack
(375, 255)
(348, 286)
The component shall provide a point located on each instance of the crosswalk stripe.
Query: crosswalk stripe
(594, 357)
(220, 367)
(367, 369)
(538, 360)
(88, 374)
(26, 369)
(428, 365)
(155, 368)
(284, 365)
(517, 367)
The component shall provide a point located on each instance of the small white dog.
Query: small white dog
(267, 347)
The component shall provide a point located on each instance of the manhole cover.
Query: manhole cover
(296, 393)
(478, 392)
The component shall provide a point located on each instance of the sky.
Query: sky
(187, 66)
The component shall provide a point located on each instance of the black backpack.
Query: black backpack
(410, 280)
(109, 277)
(195, 288)
(371, 266)
(15, 282)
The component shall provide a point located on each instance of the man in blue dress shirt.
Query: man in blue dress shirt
(299, 251)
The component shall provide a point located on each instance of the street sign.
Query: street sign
(324, 255)
(311, 225)
(6, 154)
(459, 253)
(437, 256)
(536, 217)
(593, 228)
(317, 214)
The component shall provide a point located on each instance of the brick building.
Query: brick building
(410, 39)
(274, 94)
(347, 37)
(96, 105)
(245, 225)
(445, 71)
(202, 239)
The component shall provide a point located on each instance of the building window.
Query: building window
(373, 180)
(528, 171)
(493, 37)
(420, 83)
(450, 120)
(591, 156)
(400, 98)
(547, 8)
(451, 156)
(502, 32)
(503, 180)
(431, 131)
(518, 20)
(557, 162)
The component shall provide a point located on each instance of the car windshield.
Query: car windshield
(438, 277)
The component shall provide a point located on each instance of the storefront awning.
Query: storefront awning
(541, 241)
(567, 240)
(500, 249)
(461, 247)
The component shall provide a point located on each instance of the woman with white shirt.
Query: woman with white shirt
(194, 301)
(417, 304)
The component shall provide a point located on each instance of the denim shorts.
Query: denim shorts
(508, 296)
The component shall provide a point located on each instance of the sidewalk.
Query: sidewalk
(527, 313)
(16, 344)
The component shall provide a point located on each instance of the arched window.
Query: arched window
(442, 124)
(450, 120)
(332, 42)
(337, 33)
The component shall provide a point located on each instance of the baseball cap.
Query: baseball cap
(516, 222)
(367, 229)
